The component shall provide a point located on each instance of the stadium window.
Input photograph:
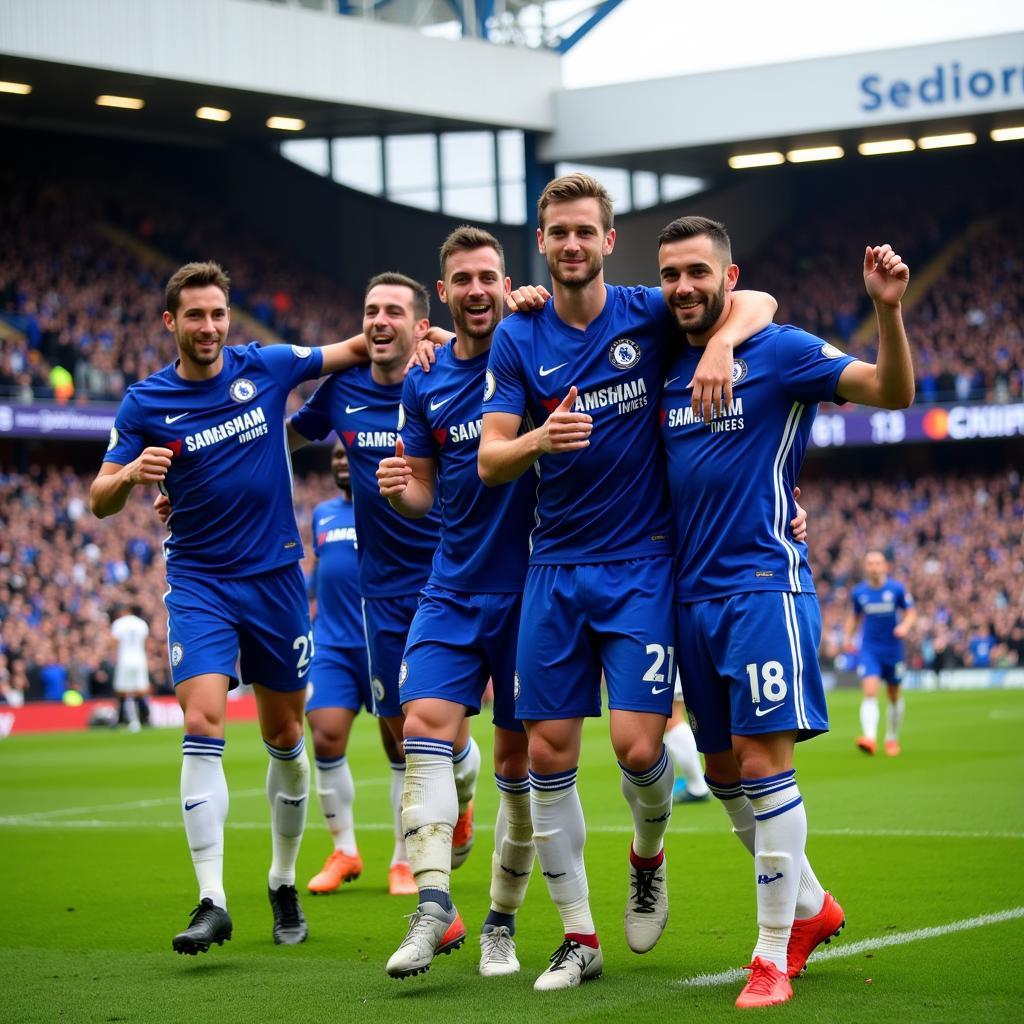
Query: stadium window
(614, 179)
(358, 163)
(411, 162)
(679, 186)
(309, 153)
(645, 189)
(468, 185)
(513, 202)
(511, 176)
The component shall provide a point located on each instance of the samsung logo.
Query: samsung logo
(948, 83)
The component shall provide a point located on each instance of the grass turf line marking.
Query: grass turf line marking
(866, 945)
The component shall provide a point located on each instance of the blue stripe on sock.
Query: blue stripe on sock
(650, 775)
(426, 746)
(463, 753)
(509, 785)
(203, 745)
(554, 782)
(326, 764)
(779, 810)
(286, 755)
(724, 790)
(397, 766)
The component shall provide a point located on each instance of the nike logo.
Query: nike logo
(552, 874)
(434, 406)
(671, 380)
(195, 803)
(766, 711)
(544, 372)
(325, 520)
(349, 409)
(174, 419)
(293, 803)
(656, 691)
(768, 879)
(514, 873)
(663, 817)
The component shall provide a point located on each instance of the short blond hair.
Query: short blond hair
(576, 186)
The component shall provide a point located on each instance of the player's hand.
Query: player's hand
(712, 381)
(527, 299)
(565, 430)
(162, 508)
(425, 352)
(900, 631)
(151, 466)
(393, 473)
(798, 524)
(886, 276)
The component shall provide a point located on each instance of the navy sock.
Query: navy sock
(496, 919)
(436, 896)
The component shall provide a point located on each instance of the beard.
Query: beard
(188, 346)
(712, 311)
(590, 270)
(462, 323)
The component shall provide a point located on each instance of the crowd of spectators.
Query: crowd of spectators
(955, 541)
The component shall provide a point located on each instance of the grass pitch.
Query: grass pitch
(923, 851)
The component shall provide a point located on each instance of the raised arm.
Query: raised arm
(114, 482)
(889, 383)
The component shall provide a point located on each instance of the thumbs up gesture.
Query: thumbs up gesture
(565, 430)
(393, 473)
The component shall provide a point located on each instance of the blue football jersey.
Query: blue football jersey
(608, 501)
(878, 606)
(732, 482)
(339, 616)
(396, 552)
(230, 481)
(484, 530)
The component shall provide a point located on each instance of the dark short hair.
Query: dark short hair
(693, 227)
(467, 238)
(420, 295)
(195, 275)
(576, 186)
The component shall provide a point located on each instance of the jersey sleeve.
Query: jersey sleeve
(412, 424)
(126, 436)
(904, 599)
(313, 420)
(504, 382)
(808, 367)
(292, 364)
(855, 601)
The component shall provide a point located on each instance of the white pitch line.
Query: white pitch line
(866, 945)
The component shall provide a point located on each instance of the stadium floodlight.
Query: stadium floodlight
(945, 141)
(1007, 134)
(213, 114)
(121, 102)
(882, 146)
(286, 124)
(740, 163)
(18, 88)
(809, 155)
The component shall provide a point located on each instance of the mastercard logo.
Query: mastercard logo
(936, 424)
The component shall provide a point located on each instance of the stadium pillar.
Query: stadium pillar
(537, 175)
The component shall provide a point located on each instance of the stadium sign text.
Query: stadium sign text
(946, 84)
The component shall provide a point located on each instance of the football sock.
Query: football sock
(894, 719)
(779, 838)
(649, 795)
(683, 748)
(512, 859)
(869, 717)
(811, 895)
(131, 713)
(337, 793)
(288, 792)
(204, 801)
(466, 767)
(430, 808)
(398, 854)
(560, 833)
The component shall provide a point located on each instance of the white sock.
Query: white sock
(288, 792)
(869, 717)
(204, 802)
(430, 809)
(398, 854)
(649, 795)
(560, 834)
(779, 839)
(811, 896)
(683, 748)
(512, 860)
(466, 766)
(336, 790)
(894, 719)
(131, 713)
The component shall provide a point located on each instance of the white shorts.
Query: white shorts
(131, 678)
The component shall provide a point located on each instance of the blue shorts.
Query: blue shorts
(457, 641)
(387, 621)
(255, 628)
(884, 667)
(580, 619)
(339, 678)
(749, 665)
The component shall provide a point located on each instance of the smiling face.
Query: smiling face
(390, 325)
(574, 241)
(200, 327)
(694, 282)
(474, 287)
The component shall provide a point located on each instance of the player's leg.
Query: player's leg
(558, 685)
(869, 672)
(895, 709)
(635, 624)
(466, 768)
(690, 786)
